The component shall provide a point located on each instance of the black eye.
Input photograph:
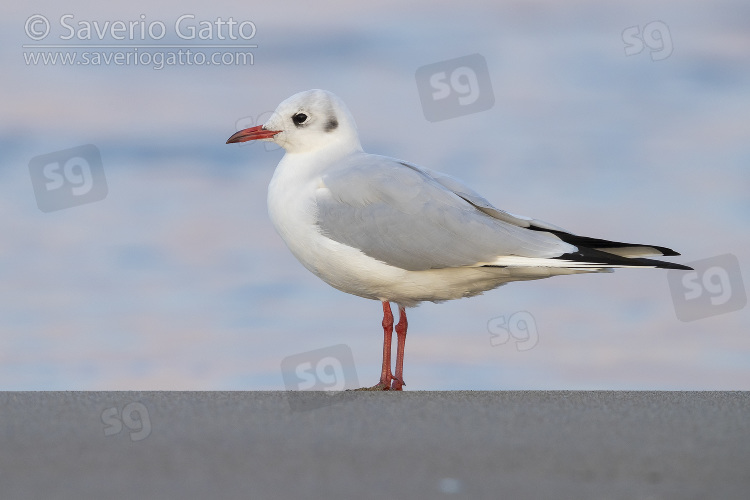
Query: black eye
(299, 118)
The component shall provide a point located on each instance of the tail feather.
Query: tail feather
(597, 251)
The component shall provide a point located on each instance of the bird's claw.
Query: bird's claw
(380, 386)
(394, 384)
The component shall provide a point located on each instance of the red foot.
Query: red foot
(398, 379)
(389, 381)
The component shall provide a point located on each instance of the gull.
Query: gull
(389, 230)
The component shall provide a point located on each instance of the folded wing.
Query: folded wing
(417, 219)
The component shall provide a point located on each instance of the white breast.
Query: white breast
(291, 206)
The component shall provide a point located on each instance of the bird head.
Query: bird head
(307, 122)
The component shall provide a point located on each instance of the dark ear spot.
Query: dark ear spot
(331, 124)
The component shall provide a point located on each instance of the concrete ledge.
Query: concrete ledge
(519, 444)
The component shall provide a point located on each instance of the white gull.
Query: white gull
(389, 230)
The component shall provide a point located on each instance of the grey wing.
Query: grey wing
(619, 248)
(402, 215)
(481, 203)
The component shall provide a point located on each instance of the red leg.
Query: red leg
(398, 379)
(385, 373)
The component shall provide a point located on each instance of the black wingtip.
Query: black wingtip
(667, 252)
(593, 256)
(588, 242)
(681, 267)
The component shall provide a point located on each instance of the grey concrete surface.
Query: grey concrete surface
(414, 445)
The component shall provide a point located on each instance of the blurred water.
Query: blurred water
(177, 280)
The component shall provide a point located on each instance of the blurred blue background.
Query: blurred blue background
(177, 279)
